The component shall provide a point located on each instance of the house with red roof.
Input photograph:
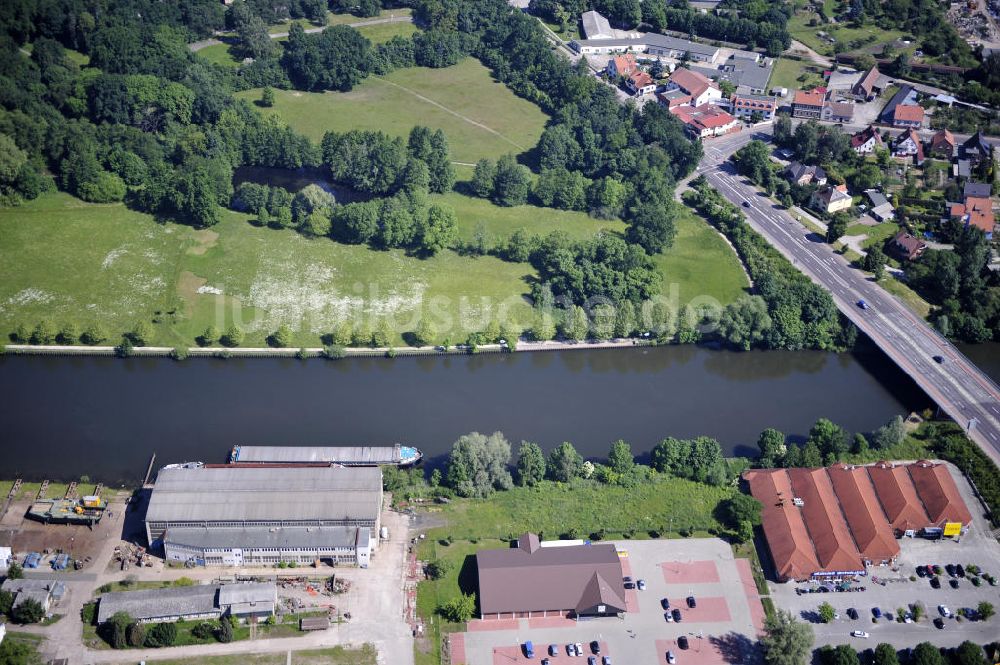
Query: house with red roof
(908, 115)
(976, 211)
(866, 141)
(706, 120)
(640, 83)
(808, 103)
(622, 65)
(942, 145)
(908, 145)
(702, 89)
(867, 88)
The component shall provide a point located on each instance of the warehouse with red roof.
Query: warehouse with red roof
(869, 527)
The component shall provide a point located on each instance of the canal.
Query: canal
(63, 417)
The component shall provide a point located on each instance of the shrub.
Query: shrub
(161, 635)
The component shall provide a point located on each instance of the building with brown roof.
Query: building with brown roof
(808, 103)
(898, 497)
(908, 115)
(701, 88)
(640, 83)
(976, 211)
(622, 65)
(869, 527)
(867, 87)
(835, 549)
(706, 120)
(534, 580)
(866, 141)
(906, 246)
(942, 145)
(939, 494)
(908, 145)
(788, 540)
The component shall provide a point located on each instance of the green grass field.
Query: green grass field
(873, 36)
(794, 74)
(481, 117)
(383, 32)
(220, 54)
(342, 19)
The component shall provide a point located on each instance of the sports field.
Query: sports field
(480, 116)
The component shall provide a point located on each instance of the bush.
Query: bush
(204, 630)
(29, 611)
(161, 635)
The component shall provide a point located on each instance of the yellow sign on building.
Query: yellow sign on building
(952, 528)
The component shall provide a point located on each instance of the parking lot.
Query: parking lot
(977, 547)
(720, 629)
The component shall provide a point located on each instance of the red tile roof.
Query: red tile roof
(868, 81)
(787, 537)
(834, 546)
(871, 531)
(640, 79)
(862, 137)
(809, 97)
(908, 113)
(691, 82)
(943, 139)
(939, 494)
(898, 497)
(706, 116)
(625, 64)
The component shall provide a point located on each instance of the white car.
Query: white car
(579, 649)
(944, 611)
(671, 659)
(859, 633)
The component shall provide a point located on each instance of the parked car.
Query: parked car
(853, 613)
(641, 584)
(668, 617)
(579, 649)
(692, 602)
(938, 570)
(553, 649)
(676, 614)
(546, 661)
(921, 571)
(570, 649)
(960, 570)
(951, 569)
(606, 660)
(877, 613)
(671, 658)
(936, 582)
(944, 611)
(529, 649)
(939, 623)
(682, 642)
(595, 648)
(665, 603)
(591, 660)
(859, 633)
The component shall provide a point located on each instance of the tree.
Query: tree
(668, 455)
(926, 653)
(281, 337)
(754, 161)
(510, 184)
(440, 230)
(425, 333)
(564, 462)
(209, 337)
(15, 571)
(438, 568)
(530, 464)
(460, 609)
(620, 458)
(135, 635)
(624, 320)
(985, 610)
(772, 448)
(117, 628)
(576, 324)
(68, 334)
(651, 226)
(161, 635)
(28, 611)
(267, 97)
(843, 654)
(970, 653)
(830, 438)
(225, 630)
(233, 336)
(885, 654)
(891, 434)
(335, 59)
(483, 177)
(740, 508)
(826, 612)
(836, 228)
(874, 262)
(745, 322)
(478, 463)
(6, 602)
(786, 641)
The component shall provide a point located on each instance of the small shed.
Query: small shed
(314, 623)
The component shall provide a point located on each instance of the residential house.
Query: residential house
(831, 199)
(977, 189)
(976, 211)
(905, 95)
(942, 145)
(706, 120)
(881, 209)
(701, 89)
(977, 149)
(865, 142)
(746, 105)
(800, 174)
(808, 104)
(837, 112)
(908, 145)
(622, 65)
(672, 98)
(908, 115)
(906, 246)
(640, 83)
(868, 87)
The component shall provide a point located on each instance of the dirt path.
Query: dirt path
(194, 47)
(454, 113)
(798, 48)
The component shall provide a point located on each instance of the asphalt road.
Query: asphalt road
(960, 388)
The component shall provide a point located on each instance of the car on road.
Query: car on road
(641, 584)
(595, 648)
(682, 642)
(859, 633)
(746, 204)
(939, 623)
(953, 583)
(692, 602)
(877, 613)
(939, 359)
(676, 614)
(671, 658)
(853, 613)
(936, 582)
(862, 304)
(944, 611)
(665, 603)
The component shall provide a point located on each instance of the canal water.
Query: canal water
(64, 417)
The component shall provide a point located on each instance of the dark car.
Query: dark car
(665, 603)
(591, 660)
(676, 614)
(936, 582)
(682, 642)
(960, 570)
(939, 623)
(595, 648)
(953, 583)
(853, 613)
(746, 204)
(692, 602)
(921, 571)
(877, 613)
(951, 569)
(939, 359)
